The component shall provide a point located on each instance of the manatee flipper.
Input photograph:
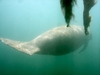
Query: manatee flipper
(84, 47)
(20, 46)
(86, 43)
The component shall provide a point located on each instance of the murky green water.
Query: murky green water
(25, 19)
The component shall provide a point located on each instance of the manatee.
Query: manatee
(56, 41)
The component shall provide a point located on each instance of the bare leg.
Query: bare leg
(88, 4)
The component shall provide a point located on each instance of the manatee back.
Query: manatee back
(60, 40)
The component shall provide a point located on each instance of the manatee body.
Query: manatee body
(57, 41)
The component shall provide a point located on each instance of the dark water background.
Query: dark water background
(25, 19)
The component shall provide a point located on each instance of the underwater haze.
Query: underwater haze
(24, 20)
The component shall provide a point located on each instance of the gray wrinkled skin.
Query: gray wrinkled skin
(57, 41)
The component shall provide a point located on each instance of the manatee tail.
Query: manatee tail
(20, 46)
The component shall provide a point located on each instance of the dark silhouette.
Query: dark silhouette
(67, 6)
(88, 4)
